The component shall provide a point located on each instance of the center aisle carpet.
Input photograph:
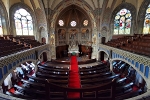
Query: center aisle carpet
(74, 79)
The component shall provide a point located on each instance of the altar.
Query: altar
(73, 50)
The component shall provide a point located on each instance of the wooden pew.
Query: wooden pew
(124, 89)
(92, 68)
(121, 81)
(97, 81)
(33, 83)
(54, 72)
(50, 64)
(119, 91)
(42, 80)
(95, 72)
(53, 69)
(96, 75)
(38, 74)
(30, 90)
(128, 95)
(19, 95)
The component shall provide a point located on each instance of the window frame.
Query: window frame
(16, 7)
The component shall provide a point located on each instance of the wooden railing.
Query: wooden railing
(60, 93)
(79, 62)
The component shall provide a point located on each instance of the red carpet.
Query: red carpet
(74, 79)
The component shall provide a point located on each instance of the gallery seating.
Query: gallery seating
(136, 44)
(8, 45)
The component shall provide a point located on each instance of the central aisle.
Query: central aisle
(74, 78)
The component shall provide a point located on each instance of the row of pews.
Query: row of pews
(10, 45)
(97, 82)
(137, 44)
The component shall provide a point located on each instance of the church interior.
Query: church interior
(74, 49)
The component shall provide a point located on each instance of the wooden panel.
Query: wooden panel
(61, 51)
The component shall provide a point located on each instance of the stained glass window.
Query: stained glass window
(1, 28)
(122, 22)
(85, 23)
(23, 22)
(61, 22)
(73, 23)
(146, 28)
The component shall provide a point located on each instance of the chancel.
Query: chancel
(75, 49)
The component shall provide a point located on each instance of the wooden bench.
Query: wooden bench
(53, 68)
(128, 95)
(96, 75)
(54, 72)
(19, 95)
(38, 74)
(29, 90)
(91, 68)
(95, 72)
(33, 83)
(42, 80)
(97, 81)
(118, 91)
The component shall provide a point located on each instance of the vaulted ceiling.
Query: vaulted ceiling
(53, 4)
(93, 3)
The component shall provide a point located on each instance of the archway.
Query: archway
(103, 56)
(103, 40)
(44, 56)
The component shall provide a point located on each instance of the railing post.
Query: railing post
(47, 90)
(113, 89)
(81, 96)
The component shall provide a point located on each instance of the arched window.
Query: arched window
(23, 22)
(146, 28)
(1, 28)
(122, 22)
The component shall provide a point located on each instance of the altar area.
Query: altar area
(73, 49)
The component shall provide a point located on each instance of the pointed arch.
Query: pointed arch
(16, 7)
(141, 15)
(132, 10)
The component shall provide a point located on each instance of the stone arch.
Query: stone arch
(4, 16)
(84, 6)
(47, 53)
(141, 15)
(99, 53)
(81, 5)
(133, 14)
(13, 9)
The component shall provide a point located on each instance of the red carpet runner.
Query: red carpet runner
(74, 79)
